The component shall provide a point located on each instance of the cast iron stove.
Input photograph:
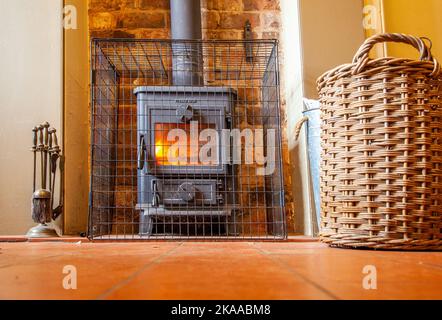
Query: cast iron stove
(186, 185)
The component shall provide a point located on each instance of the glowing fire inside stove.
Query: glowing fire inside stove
(167, 150)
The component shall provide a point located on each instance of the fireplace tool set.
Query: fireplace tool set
(45, 143)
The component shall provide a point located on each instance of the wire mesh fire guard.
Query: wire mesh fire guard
(185, 140)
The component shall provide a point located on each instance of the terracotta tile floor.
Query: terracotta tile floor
(213, 270)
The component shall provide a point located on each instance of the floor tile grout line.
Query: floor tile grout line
(291, 270)
(360, 253)
(425, 265)
(124, 282)
(4, 266)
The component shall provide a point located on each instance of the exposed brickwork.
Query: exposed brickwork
(221, 19)
(259, 5)
(129, 18)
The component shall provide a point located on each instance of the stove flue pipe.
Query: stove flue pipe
(187, 55)
(186, 19)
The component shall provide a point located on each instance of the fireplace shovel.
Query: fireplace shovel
(54, 157)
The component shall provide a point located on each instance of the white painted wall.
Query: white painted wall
(293, 89)
(30, 93)
(317, 35)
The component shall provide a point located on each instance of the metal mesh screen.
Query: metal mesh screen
(174, 160)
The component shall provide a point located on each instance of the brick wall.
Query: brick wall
(221, 19)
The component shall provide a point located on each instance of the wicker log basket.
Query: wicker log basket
(381, 182)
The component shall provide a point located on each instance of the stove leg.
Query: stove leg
(147, 225)
(232, 229)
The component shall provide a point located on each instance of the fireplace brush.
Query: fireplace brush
(41, 199)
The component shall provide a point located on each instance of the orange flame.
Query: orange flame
(163, 146)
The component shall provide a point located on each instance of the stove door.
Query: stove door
(184, 140)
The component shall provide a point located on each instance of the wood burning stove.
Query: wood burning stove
(175, 178)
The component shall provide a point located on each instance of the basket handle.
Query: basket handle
(362, 56)
(298, 127)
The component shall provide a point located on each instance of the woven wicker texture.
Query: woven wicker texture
(381, 181)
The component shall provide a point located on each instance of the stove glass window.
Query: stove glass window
(176, 146)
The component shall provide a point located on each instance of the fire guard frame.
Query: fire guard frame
(135, 193)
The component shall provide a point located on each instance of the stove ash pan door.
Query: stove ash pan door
(173, 193)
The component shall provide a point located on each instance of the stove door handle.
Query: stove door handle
(142, 154)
